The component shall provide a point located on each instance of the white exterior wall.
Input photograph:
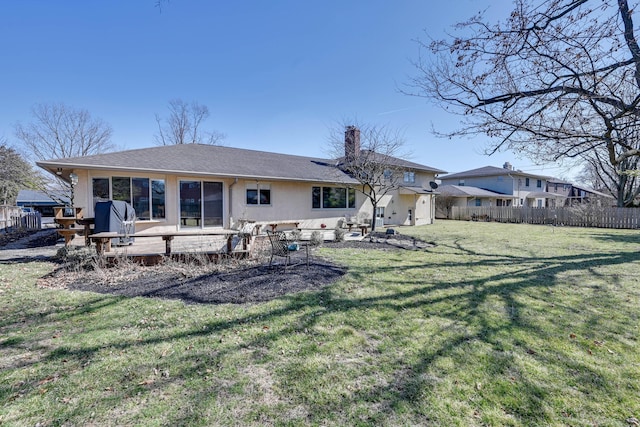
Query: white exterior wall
(290, 201)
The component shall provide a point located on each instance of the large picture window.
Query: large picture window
(333, 198)
(146, 195)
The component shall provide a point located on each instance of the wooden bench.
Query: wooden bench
(103, 239)
(363, 227)
(274, 225)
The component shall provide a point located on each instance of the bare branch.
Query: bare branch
(183, 126)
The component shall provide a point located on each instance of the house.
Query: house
(575, 194)
(193, 186)
(505, 186)
(455, 195)
(39, 201)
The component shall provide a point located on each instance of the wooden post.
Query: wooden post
(167, 241)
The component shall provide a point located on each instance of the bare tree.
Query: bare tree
(557, 79)
(15, 174)
(184, 125)
(371, 155)
(59, 131)
(444, 203)
(621, 181)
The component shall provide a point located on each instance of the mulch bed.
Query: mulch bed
(237, 283)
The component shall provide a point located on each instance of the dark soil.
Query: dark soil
(29, 239)
(242, 282)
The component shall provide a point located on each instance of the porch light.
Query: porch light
(74, 179)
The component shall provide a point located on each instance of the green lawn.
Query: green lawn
(498, 324)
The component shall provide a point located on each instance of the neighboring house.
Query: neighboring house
(39, 201)
(198, 186)
(507, 187)
(455, 195)
(576, 194)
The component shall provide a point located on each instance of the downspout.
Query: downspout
(230, 213)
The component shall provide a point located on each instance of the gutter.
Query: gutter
(230, 210)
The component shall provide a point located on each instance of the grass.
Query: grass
(496, 325)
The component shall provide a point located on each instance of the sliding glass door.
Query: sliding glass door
(200, 204)
(212, 196)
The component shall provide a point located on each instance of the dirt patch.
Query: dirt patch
(238, 282)
(23, 239)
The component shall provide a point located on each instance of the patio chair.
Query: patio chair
(283, 247)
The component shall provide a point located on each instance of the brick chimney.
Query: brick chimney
(351, 142)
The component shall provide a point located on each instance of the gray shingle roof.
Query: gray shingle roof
(395, 162)
(466, 191)
(200, 159)
(489, 171)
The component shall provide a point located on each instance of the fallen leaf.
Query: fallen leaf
(146, 382)
(633, 421)
(598, 343)
(531, 351)
(46, 380)
(572, 335)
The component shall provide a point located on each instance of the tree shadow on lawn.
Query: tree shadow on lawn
(461, 304)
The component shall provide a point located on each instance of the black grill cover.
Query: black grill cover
(115, 216)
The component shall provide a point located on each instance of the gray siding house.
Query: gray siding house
(508, 187)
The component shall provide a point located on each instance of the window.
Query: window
(388, 174)
(333, 198)
(201, 203)
(380, 212)
(121, 188)
(539, 183)
(100, 190)
(526, 182)
(478, 202)
(410, 177)
(259, 194)
(145, 195)
(461, 183)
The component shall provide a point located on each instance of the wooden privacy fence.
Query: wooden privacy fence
(577, 216)
(13, 218)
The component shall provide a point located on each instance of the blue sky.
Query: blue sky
(275, 75)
